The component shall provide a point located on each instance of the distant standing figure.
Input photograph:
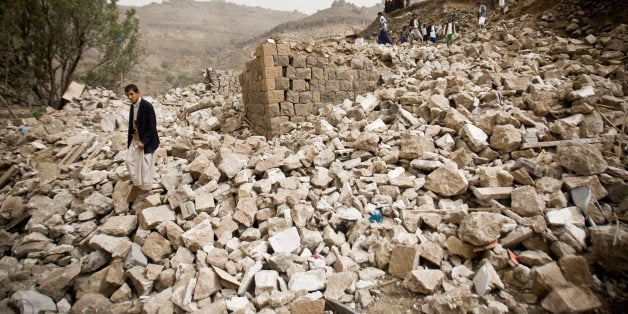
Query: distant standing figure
(481, 14)
(431, 30)
(142, 143)
(450, 32)
(405, 35)
(383, 37)
(415, 32)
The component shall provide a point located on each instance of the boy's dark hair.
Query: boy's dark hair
(130, 87)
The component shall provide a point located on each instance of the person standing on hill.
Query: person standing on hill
(450, 32)
(481, 14)
(383, 37)
(142, 142)
(415, 32)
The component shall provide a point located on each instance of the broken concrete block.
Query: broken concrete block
(150, 217)
(338, 283)
(285, 241)
(119, 226)
(533, 258)
(527, 202)
(505, 138)
(608, 247)
(570, 300)
(116, 246)
(198, 236)
(424, 281)
(31, 301)
(140, 282)
(576, 269)
(310, 280)
(583, 159)
(486, 279)
(458, 247)
(304, 306)
(431, 252)
(156, 247)
(403, 260)
(481, 228)
(57, 281)
(474, 137)
(160, 302)
(266, 280)
(547, 277)
(446, 181)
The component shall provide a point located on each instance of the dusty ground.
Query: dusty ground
(394, 298)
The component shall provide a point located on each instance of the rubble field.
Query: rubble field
(456, 186)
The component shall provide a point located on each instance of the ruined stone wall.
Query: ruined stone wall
(284, 84)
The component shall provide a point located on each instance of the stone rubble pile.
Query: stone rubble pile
(470, 154)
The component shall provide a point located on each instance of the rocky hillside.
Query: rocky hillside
(182, 37)
(454, 187)
(340, 20)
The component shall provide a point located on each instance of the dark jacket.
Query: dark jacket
(147, 126)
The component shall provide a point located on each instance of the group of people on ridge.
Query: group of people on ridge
(417, 31)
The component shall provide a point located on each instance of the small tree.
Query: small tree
(47, 41)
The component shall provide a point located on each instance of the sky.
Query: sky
(305, 6)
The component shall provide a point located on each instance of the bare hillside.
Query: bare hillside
(340, 20)
(182, 37)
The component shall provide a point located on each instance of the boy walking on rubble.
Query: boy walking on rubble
(142, 143)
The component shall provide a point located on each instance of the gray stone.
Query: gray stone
(32, 302)
(135, 257)
(486, 279)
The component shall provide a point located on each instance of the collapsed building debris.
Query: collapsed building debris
(470, 154)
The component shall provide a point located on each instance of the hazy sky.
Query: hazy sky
(305, 6)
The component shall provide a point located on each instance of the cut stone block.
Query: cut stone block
(403, 260)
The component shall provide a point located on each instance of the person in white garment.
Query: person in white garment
(142, 142)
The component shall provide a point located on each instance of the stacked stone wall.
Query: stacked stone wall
(284, 85)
